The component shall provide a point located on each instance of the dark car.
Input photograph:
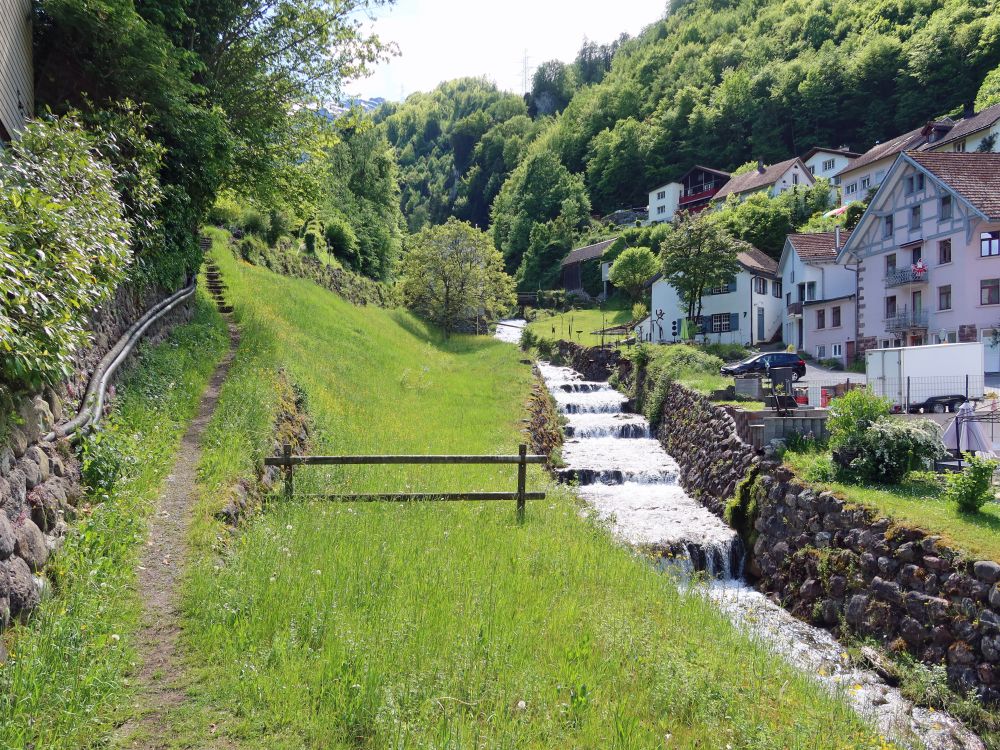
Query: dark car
(762, 363)
(938, 404)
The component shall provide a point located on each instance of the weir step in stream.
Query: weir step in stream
(630, 482)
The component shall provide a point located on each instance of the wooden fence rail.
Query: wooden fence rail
(288, 462)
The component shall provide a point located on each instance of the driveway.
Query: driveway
(822, 376)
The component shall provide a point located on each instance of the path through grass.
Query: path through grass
(444, 625)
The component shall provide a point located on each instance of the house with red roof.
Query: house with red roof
(773, 180)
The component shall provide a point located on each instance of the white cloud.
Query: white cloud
(444, 39)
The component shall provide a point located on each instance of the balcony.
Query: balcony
(913, 275)
(700, 193)
(795, 310)
(906, 321)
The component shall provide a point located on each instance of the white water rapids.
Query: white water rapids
(624, 474)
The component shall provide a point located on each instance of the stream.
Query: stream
(628, 480)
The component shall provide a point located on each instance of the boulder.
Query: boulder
(987, 571)
(7, 538)
(37, 456)
(29, 545)
(22, 592)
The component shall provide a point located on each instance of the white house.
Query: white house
(663, 202)
(819, 295)
(16, 88)
(975, 132)
(747, 310)
(827, 162)
(773, 180)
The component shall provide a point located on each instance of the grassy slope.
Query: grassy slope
(429, 624)
(920, 503)
(66, 684)
(567, 324)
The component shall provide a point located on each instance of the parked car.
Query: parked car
(938, 404)
(762, 363)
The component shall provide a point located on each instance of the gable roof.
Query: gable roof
(975, 177)
(819, 149)
(755, 179)
(589, 252)
(703, 168)
(893, 146)
(757, 261)
(818, 247)
(970, 125)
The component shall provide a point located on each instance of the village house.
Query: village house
(828, 162)
(975, 132)
(819, 309)
(929, 252)
(571, 268)
(663, 202)
(773, 180)
(747, 310)
(16, 82)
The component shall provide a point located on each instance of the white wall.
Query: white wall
(831, 281)
(663, 208)
(874, 173)
(817, 160)
(794, 176)
(972, 141)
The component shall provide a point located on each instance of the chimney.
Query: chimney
(969, 110)
(760, 166)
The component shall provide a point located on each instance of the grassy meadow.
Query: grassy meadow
(579, 325)
(66, 683)
(443, 625)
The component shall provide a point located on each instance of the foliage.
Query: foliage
(972, 488)
(727, 352)
(891, 447)
(632, 269)
(452, 274)
(741, 510)
(989, 92)
(102, 461)
(852, 414)
(697, 255)
(64, 247)
(681, 363)
(764, 221)
(639, 311)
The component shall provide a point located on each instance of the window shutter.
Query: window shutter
(732, 286)
(734, 321)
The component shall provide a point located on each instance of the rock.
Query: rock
(995, 596)
(987, 674)
(912, 631)
(822, 540)
(837, 586)
(17, 441)
(30, 545)
(934, 563)
(7, 538)
(4, 612)
(18, 492)
(989, 621)
(990, 646)
(22, 592)
(987, 571)
(887, 591)
(32, 474)
(961, 653)
(37, 455)
(830, 612)
(810, 589)
(55, 404)
(6, 460)
(929, 545)
(941, 636)
(855, 611)
(906, 552)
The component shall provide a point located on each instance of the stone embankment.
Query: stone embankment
(831, 563)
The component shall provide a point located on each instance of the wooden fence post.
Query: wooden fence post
(522, 474)
(288, 471)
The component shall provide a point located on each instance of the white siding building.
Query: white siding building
(17, 102)
(663, 202)
(827, 162)
(773, 180)
(976, 132)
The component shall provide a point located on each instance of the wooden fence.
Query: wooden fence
(288, 462)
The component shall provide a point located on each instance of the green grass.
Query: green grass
(66, 683)
(919, 502)
(444, 625)
(566, 325)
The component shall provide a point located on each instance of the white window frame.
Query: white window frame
(721, 323)
(836, 350)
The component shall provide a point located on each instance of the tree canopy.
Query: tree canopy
(632, 269)
(697, 255)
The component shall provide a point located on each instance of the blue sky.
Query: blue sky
(443, 39)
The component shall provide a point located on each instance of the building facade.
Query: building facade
(929, 252)
(828, 162)
(663, 202)
(773, 180)
(17, 102)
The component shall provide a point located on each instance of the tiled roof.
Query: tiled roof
(703, 168)
(756, 260)
(907, 141)
(755, 179)
(970, 125)
(818, 247)
(587, 253)
(817, 149)
(975, 177)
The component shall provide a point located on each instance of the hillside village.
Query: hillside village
(334, 421)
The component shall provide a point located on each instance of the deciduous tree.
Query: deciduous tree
(632, 269)
(698, 255)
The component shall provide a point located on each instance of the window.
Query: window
(890, 307)
(944, 252)
(989, 292)
(759, 285)
(945, 213)
(810, 291)
(959, 147)
(915, 217)
(788, 298)
(918, 181)
(885, 343)
(917, 299)
(866, 182)
(828, 165)
(887, 226)
(720, 323)
(724, 289)
(820, 319)
(944, 297)
(949, 337)
(835, 317)
(851, 189)
(890, 264)
(989, 244)
(661, 209)
(916, 255)
(661, 195)
(836, 350)
(820, 352)
(908, 185)
(776, 289)
(795, 178)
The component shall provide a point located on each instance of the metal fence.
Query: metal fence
(937, 394)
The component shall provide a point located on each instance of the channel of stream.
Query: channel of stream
(629, 481)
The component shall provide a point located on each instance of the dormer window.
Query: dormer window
(959, 147)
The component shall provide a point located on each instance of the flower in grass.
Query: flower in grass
(289, 527)
(317, 572)
(115, 637)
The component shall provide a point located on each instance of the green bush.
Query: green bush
(727, 352)
(852, 414)
(253, 250)
(64, 247)
(341, 240)
(971, 489)
(279, 224)
(225, 212)
(253, 222)
(891, 448)
(528, 339)
(102, 462)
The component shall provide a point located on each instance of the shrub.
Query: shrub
(102, 461)
(852, 414)
(727, 352)
(971, 489)
(225, 212)
(253, 250)
(64, 247)
(639, 311)
(528, 339)
(279, 224)
(892, 447)
(341, 240)
(312, 238)
(253, 222)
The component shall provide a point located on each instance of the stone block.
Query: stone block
(37, 456)
(29, 545)
(22, 592)
(7, 538)
(987, 571)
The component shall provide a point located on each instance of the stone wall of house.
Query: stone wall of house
(40, 480)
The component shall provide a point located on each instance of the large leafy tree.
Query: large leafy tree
(452, 274)
(632, 269)
(698, 255)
